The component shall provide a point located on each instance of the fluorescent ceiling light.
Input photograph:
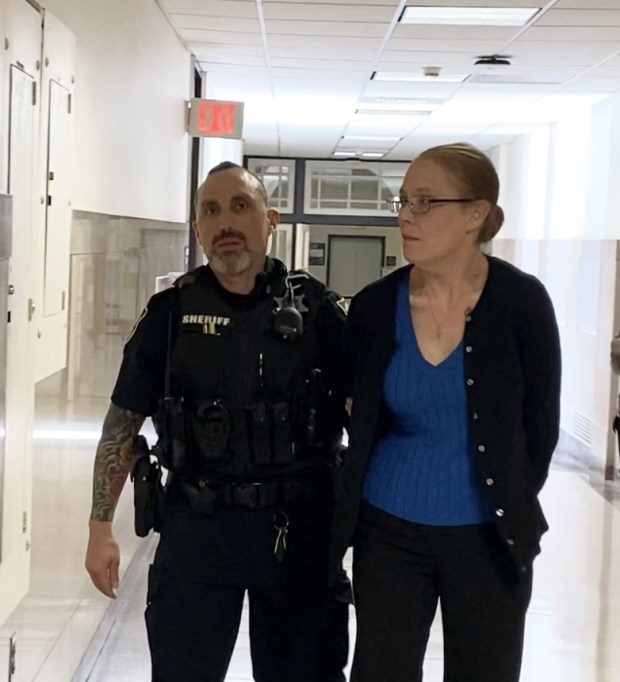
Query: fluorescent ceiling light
(469, 16)
(344, 155)
(419, 77)
(373, 155)
(393, 112)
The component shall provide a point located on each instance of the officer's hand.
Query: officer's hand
(103, 558)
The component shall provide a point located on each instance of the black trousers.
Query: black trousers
(400, 572)
(204, 566)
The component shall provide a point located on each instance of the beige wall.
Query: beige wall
(133, 79)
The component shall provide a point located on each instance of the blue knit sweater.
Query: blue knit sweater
(422, 470)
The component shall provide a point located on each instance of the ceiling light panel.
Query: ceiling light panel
(469, 16)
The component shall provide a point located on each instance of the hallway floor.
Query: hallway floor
(67, 631)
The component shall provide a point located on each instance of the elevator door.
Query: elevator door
(354, 262)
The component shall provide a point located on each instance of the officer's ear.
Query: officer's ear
(197, 232)
(273, 218)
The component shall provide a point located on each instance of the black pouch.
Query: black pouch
(211, 427)
(148, 490)
(170, 448)
(283, 443)
(259, 434)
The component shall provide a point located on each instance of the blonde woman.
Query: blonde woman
(454, 384)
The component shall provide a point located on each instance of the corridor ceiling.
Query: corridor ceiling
(305, 68)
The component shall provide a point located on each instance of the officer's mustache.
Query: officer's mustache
(228, 234)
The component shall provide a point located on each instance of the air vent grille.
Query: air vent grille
(582, 428)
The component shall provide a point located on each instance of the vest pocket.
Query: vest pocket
(283, 447)
(211, 426)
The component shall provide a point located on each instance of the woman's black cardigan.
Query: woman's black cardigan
(511, 354)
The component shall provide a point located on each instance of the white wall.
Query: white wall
(131, 159)
(560, 195)
(132, 83)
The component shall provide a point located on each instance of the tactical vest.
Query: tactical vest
(254, 406)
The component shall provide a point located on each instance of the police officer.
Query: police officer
(237, 364)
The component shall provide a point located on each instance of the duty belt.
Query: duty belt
(203, 495)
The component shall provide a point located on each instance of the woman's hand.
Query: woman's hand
(348, 405)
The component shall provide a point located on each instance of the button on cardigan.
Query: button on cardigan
(512, 371)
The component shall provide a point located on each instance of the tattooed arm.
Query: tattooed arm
(112, 465)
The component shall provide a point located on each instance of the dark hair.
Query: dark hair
(477, 177)
(229, 165)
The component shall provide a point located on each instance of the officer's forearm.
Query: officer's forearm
(113, 460)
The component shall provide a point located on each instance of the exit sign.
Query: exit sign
(214, 118)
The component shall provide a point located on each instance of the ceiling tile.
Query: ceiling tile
(378, 3)
(587, 4)
(194, 21)
(333, 12)
(465, 46)
(583, 17)
(581, 34)
(210, 57)
(215, 8)
(325, 28)
(325, 65)
(584, 54)
(221, 37)
(444, 32)
(315, 52)
(328, 43)
(224, 50)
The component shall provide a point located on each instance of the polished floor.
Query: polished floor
(67, 631)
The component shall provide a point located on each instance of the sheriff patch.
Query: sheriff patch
(213, 325)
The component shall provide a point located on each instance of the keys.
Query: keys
(280, 523)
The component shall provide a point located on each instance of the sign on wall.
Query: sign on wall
(317, 253)
(215, 118)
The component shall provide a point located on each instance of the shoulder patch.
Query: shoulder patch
(136, 324)
(343, 304)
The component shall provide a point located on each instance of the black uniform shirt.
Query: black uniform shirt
(140, 383)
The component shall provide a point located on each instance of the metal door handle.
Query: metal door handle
(11, 289)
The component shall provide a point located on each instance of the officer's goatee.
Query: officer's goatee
(231, 263)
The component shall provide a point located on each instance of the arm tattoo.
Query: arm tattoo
(113, 460)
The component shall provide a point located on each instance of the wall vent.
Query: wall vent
(582, 428)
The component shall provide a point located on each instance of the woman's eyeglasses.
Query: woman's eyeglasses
(421, 204)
